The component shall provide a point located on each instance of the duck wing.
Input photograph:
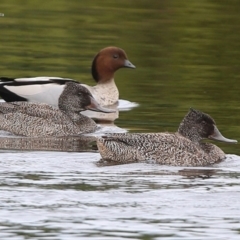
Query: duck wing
(22, 124)
(39, 110)
(33, 89)
(135, 139)
(163, 148)
(129, 147)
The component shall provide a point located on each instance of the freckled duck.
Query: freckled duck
(43, 120)
(183, 148)
(48, 89)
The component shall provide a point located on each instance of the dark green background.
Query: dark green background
(187, 54)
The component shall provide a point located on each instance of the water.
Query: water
(55, 195)
(187, 54)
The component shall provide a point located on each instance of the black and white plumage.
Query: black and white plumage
(33, 89)
(183, 148)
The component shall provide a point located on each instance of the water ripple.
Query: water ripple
(52, 195)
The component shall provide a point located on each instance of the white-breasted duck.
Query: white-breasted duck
(183, 148)
(43, 120)
(48, 89)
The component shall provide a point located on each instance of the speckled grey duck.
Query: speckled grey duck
(40, 119)
(183, 148)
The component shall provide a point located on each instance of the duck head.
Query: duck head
(77, 98)
(197, 125)
(107, 62)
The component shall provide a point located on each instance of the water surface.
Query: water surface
(187, 54)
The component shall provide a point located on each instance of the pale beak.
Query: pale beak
(128, 64)
(219, 137)
(94, 106)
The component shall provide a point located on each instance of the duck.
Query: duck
(43, 120)
(48, 89)
(182, 148)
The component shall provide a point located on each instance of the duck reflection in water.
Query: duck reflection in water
(183, 148)
(79, 143)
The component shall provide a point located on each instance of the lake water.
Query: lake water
(187, 54)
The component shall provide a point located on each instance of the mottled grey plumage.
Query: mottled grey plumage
(183, 148)
(39, 119)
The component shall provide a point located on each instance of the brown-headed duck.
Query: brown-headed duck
(48, 89)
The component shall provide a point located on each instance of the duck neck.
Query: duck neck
(63, 108)
(107, 77)
(109, 81)
(191, 133)
(101, 71)
(103, 89)
(81, 121)
(214, 152)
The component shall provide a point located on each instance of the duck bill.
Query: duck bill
(94, 106)
(128, 64)
(219, 137)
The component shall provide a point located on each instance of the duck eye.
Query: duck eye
(115, 56)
